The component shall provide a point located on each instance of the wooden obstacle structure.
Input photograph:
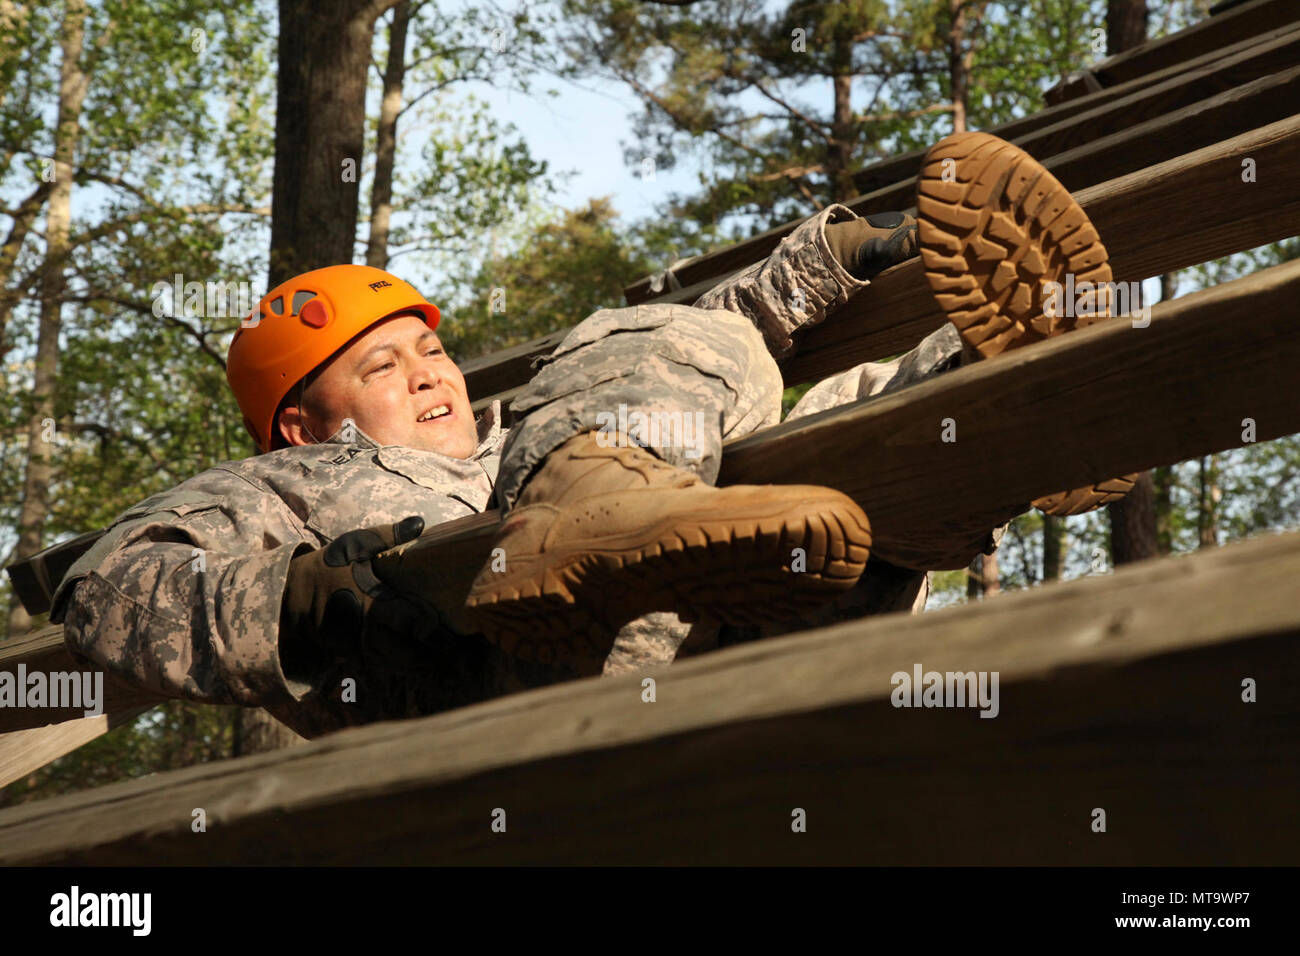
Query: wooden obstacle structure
(1121, 692)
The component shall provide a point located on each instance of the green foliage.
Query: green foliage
(560, 272)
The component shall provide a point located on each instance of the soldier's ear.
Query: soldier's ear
(291, 426)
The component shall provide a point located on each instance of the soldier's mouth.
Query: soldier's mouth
(436, 413)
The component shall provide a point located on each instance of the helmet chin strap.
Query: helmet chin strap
(302, 419)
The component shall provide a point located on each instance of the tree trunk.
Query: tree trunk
(974, 577)
(989, 575)
(381, 193)
(1133, 523)
(320, 119)
(1207, 512)
(839, 154)
(1133, 535)
(24, 216)
(1053, 546)
(1126, 25)
(1164, 486)
(982, 577)
(58, 218)
(257, 732)
(958, 71)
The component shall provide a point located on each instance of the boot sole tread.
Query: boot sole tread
(990, 236)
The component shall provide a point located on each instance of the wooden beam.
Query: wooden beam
(1023, 427)
(1101, 145)
(1066, 412)
(1132, 213)
(1205, 124)
(1179, 213)
(904, 165)
(509, 368)
(1243, 23)
(1120, 691)
(1137, 215)
(1128, 118)
(35, 579)
(44, 651)
(24, 751)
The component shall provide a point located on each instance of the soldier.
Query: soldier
(288, 580)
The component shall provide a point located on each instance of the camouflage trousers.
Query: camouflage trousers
(681, 381)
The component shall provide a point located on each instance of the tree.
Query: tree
(58, 217)
(1126, 25)
(132, 93)
(782, 105)
(471, 175)
(324, 61)
(560, 272)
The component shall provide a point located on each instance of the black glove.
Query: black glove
(867, 247)
(339, 606)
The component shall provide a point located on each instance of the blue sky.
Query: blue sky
(581, 130)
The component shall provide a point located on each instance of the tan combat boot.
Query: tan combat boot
(995, 225)
(602, 535)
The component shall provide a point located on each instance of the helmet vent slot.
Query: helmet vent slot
(301, 298)
(276, 305)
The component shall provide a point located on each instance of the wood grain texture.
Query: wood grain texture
(1067, 412)
(1161, 124)
(1198, 146)
(889, 185)
(888, 171)
(1118, 691)
(1097, 402)
(44, 650)
(1176, 214)
(1242, 23)
(24, 751)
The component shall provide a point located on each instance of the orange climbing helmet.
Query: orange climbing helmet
(301, 323)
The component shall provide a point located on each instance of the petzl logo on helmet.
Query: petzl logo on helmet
(381, 284)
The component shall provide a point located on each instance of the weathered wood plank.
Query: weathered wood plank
(1138, 144)
(35, 579)
(1207, 125)
(1097, 147)
(1139, 218)
(1118, 691)
(509, 368)
(1244, 23)
(1179, 213)
(45, 651)
(1135, 214)
(1022, 428)
(896, 168)
(23, 751)
(1066, 412)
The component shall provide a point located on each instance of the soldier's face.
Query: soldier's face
(389, 381)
